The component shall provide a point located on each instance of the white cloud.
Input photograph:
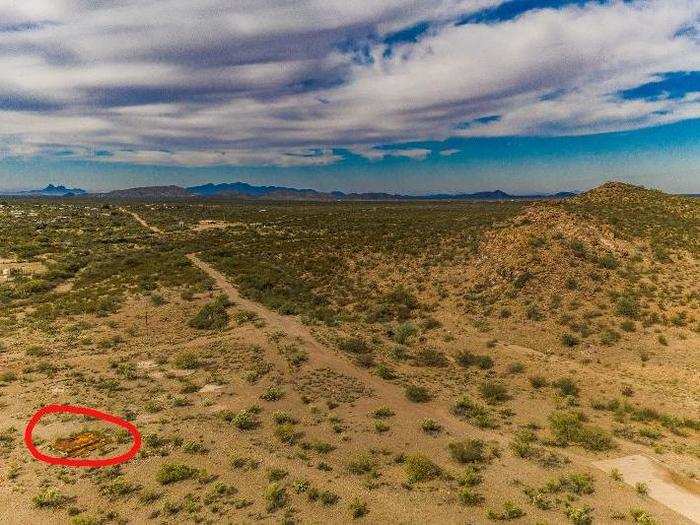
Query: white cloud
(279, 82)
(448, 152)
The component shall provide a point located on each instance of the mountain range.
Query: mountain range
(245, 191)
(49, 191)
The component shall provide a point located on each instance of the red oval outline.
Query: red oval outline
(90, 463)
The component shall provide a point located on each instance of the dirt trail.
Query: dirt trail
(323, 357)
(140, 220)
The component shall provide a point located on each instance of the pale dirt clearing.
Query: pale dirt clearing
(664, 485)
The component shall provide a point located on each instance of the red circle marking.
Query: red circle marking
(69, 462)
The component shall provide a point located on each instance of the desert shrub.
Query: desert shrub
(609, 261)
(157, 299)
(569, 340)
(470, 498)
(510, 512)
(516, 368)
(119, 489)
(627, 306)
(273, 393)
(628, 325)
(494, 392)
(575, 483)
(404, 332)
(358, 508)
(280, 417)
(51, 498)
(7, 377)
(187, 361)
(580, 516)
(523, 443)
(430, 323)
(538, 382)
(397, 305)
(430, 357)
(288, 434)
(466, 358)
(642, 517)
(212, 316)
(467, 408)
(383, 413)
(417, 394)
(609, 337)
(568, 427)
(275, 496)
(567, 386)
(244, 420)
(430, 426)
(467, 451)
(381, 427)
(362, 464)
(174, 472)
(419, 468)
(470, 477)
(533, 313)
(354, 345)
(194, 447)
(385, 372)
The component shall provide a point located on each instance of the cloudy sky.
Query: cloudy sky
(398, 95)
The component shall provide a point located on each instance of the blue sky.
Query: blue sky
(397, 95)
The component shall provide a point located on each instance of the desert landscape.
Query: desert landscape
(529, 361)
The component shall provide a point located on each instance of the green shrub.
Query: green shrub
(288, 434)
(383, 413)
(212, 316)
(567, 386)
(187, 361)
(354, 345)
(417, 394)
(494, 392)
(358, 508)
(50, 498)
(569, 340)
(362, 464)
(385, 372)
(273, 393)
(467, 451)
(510, 512)
(470, 498)
(516, 368)
(430, 357)
(580, 516)
(276, 497)
(404, 332)
(430, 426)
(538, 381)
(420, 468)
(627, 306)
(243, 420)
(568, 427)
(174, 472)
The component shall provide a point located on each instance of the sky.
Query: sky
(406, 96)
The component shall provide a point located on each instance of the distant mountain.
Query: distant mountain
(50, 191)
(245, 191)
(242, 190)
(148, 193)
